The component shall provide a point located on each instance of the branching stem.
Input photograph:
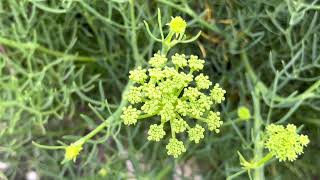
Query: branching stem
(24, 46)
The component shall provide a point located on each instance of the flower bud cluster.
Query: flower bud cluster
(284, 142)
(176, 91)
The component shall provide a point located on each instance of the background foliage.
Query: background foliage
(64, 64)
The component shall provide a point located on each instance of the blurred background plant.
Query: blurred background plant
(64, 65)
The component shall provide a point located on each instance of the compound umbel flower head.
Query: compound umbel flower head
(285, 143)
(175, 93)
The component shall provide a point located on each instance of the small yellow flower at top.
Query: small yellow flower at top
(177, 25)
(72, 151)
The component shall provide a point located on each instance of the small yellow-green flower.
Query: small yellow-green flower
(217, 93)
(244, 113)
(196, 133)
(179, 60)
(156, 132)
(284, 143)
(175, 147)
(138, 75)
(177, 25)
(213, 121)
(158, 60)
(203, 81)
(135, 95)
(130, 115)
(72, 151)
(195, 63)
(179, 125)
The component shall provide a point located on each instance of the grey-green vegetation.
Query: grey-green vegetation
(64, 65)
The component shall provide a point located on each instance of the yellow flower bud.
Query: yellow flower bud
(72, 151)
(177, 25)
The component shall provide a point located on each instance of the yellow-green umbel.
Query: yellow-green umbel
(284, 143)
(176, 91)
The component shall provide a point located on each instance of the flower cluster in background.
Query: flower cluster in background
(174, 92)
(284, 143)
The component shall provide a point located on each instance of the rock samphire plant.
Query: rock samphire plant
(170, 91)
(173, 91)
(175, 95)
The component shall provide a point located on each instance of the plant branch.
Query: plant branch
(23, 46)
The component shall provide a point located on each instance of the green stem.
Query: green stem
(258, 143)
(236, 174)
(114, 116)
(228, 123)
(133, 34)
(143, 116)
(166, 43)
(264, 160)
(124, 102)
(35, 46)
(47, 147)
(173, 135)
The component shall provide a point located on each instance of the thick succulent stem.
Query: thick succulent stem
(258, 142)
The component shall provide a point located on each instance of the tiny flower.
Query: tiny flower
(72, 151)
(182, 107)
(195, 109)
(158, 60)
(151, 106)
(284, 143)
(130, 115)
(138, 75)
(179, 125)
(204, 102)
(151, 91)
(203, 82)
(213, 121)
(175, 147)
(217, 93)
(177, 25)
(191, 93)
(135, 95)
(167, 112)
(195, 64)
(156, 74)
(244, 113)
(156, 132)
(179, 60)
(196, 133)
